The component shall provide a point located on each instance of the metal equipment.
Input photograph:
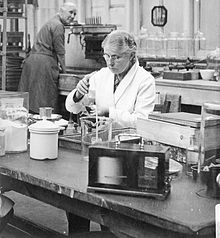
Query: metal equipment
(129, 168)
(91, 36)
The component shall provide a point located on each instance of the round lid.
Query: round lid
(44, 125)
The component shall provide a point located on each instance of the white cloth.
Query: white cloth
(133, 98)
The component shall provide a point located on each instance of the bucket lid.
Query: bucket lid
(44, 126)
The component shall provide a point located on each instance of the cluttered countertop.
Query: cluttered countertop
(68, 176)
(148, 175)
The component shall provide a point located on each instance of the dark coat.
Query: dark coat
(40, 69)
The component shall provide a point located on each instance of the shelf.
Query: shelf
(12, 42)
(3, 9)
(12, 16)
(13, 49)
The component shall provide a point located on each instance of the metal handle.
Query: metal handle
(116, 176)
(118, 141)
(218, 179)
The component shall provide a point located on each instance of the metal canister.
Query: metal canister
(44, 140)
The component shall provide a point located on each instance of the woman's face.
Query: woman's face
(117, 62)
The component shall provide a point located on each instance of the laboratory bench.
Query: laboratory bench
(63, 183)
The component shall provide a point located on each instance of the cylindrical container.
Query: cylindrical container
(110, 170)
(2, 141)
(44, 140)
(94, 129)
(90, 103)
(45, 112)
(213, 186)
(14, 118)
(157, 99)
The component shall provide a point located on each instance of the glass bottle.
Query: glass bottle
(172, 45)
(199, 44)
(185, 46)
(151, 40)
(160, 45)
(142, 42)
(191, 155)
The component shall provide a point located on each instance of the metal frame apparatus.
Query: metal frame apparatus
(91, 37)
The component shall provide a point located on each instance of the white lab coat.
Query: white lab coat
(133, 98)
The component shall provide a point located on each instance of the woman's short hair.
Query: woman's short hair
(121, 41)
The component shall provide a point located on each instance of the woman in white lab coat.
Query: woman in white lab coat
(123, 90)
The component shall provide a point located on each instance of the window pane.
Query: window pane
(210, 22)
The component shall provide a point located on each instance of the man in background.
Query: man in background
(46, 60)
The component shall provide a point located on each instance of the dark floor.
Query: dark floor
(29, 211)
(13, 232)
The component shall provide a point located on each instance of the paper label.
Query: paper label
(148, 173)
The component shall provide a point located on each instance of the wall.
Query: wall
(183, 16)
(187, 16)
(210, 22)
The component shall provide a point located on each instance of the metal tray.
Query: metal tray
(73, 141)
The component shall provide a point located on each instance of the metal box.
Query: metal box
(130, 169)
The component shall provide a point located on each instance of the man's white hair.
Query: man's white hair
(68, 6)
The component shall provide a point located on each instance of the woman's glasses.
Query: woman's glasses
(112, 57)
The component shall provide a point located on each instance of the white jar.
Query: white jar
(44, 140)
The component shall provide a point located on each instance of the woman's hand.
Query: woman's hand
(83, 85)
